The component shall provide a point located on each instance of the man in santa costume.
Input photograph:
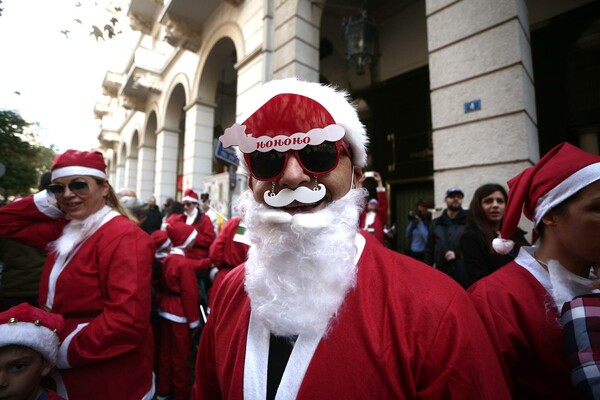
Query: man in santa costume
(520, 303)
(320, 310)
(97, 276)
(194, 216)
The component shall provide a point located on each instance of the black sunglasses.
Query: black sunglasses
(315, 160)
(77, 187)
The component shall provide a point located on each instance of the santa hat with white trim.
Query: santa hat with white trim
(561, 173)
(161, 240)
(75, 162)
(181, 234)
(288, 106)
(190, 195)
(26, 325)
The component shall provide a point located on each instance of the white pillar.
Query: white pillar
(145, 181)
(166, 165)
(295, 53)
(198, 150)
(480, 57)
(120, 181)
(131, 172)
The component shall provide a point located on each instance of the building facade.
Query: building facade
(457, 93)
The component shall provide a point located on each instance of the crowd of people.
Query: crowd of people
(299, 298)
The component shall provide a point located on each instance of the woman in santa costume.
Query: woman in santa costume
(193, 215)
(320, 310)
(97, 276)
(520, 303)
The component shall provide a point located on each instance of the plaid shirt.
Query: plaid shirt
(581, 327)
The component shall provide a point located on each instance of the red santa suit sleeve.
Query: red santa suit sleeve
(32, 221)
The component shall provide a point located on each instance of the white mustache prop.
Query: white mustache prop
(302, 194)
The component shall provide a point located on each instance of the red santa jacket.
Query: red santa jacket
(179, 298)
(103, 293)
(405, 331)
(523, 323)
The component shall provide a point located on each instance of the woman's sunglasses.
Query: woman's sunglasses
(315, 160)
(77, 187)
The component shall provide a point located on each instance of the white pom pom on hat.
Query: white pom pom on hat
(561, 173)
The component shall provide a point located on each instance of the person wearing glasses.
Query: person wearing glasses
(320, 310)
(194, 215)
(97, 276)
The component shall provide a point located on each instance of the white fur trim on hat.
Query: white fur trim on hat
(566, 189)
(38, 338)
(190, 199)
(189, 239)
(163, 246)
(77, 170)
(336, 101)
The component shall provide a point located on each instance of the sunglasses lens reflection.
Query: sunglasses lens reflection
(320, 158)
(77, 187)
(267, 165)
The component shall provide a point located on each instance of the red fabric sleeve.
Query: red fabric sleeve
(206, 232)
(22, 221)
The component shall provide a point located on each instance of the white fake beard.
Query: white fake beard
(298, 272)
(77, 231)
(566, 285)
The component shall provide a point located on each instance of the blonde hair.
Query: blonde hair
(113, 202)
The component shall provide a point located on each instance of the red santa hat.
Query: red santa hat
(31, 327)
(161, 240)
(190, 195)
(181, 234)
(561, 173)
(75, 162)
(288, 106)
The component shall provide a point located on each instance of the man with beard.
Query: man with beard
(321, 310)
(442, 248)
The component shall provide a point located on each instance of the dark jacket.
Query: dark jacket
(444, 235)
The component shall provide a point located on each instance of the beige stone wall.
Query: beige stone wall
(486, 57)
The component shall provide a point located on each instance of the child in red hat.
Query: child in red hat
(520, 303)
(178, 307)
(28, 351)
